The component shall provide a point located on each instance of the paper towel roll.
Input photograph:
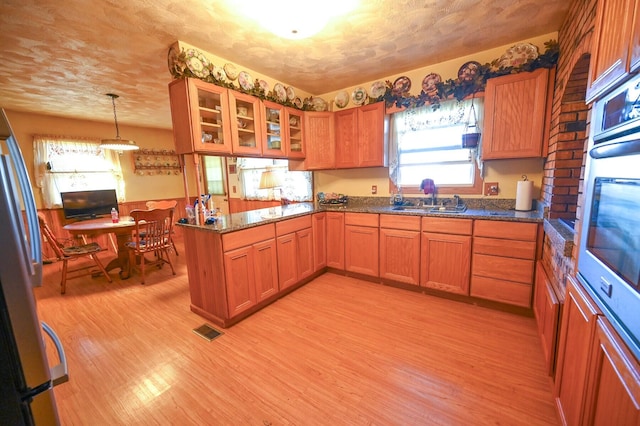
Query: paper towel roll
(524, 195)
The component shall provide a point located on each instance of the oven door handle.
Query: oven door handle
(618, 148)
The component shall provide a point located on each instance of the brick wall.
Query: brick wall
(570, 117)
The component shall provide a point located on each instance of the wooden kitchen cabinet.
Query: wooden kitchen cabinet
(295, 250)
(275, 139)
(361, 139)
(546, 309)
(319, 228)
(446, 254)
(319, 142)
(293, 126)
(246, 129)
(251, 275)
(515, 109)
(574, 353)
(335, 240)
(615, 47)
(361, 243)
(503, 261)
(613, 390)
(200, 117)
(400, 248)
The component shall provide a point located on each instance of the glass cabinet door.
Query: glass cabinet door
(275, 141)
(294, 130)
(199, 114)
(246, 124)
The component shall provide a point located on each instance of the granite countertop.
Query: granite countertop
(492, 211)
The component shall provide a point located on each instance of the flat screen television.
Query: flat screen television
(88, 204)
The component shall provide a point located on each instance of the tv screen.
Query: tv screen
(88, 204)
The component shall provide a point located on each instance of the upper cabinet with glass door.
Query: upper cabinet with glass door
(200, 117)
(293, 124)
(275, 138)
(246, 124)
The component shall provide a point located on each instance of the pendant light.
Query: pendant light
(117, 144)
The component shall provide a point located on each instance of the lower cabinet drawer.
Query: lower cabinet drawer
(504, 291)
(503, 268)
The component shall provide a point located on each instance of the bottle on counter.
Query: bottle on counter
(114, 215)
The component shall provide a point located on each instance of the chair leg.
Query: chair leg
(166, 252)
(142, 262)
(175, 250)
(99, 263)
(63, 280)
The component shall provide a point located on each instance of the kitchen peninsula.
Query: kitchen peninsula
(247, 260)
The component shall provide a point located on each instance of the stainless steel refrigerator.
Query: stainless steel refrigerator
(26, 377)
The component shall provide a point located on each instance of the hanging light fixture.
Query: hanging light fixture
(117, 144)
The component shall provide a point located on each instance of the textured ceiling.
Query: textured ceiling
(61, 57)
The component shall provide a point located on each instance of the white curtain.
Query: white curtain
(64, 164)
(450, 113)
(296, 186)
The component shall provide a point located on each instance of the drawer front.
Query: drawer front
(292, 225)
(501, 291)
(496, 247)
(246, 237)
(505, 230)
(503, 268)
(392, 221)
(445, 225)
(361, 219)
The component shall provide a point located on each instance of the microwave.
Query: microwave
(609, 250)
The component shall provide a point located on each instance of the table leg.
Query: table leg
(122, 261)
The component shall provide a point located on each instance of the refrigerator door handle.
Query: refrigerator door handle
(60, 372)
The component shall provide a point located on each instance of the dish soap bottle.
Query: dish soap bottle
(114, 215)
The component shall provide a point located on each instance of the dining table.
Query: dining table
(121, 229)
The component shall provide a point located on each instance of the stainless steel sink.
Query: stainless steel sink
(432, 209)
(448, 209)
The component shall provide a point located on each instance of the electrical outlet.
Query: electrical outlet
(374, 189)
(491, 188)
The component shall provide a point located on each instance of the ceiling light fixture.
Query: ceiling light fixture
(291, 20)
(117, 144)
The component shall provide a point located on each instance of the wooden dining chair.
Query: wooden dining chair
(65, 254)
(152, 234)
(165, 204)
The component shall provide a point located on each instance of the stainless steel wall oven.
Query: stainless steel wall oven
(609, 257)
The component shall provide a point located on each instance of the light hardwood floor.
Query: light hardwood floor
(338, 351)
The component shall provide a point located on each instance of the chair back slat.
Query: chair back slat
(153, 229)
(55, 245)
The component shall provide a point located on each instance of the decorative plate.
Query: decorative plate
(264, 86)
(359, 96)
(176, 67)
(291, 94)
(297, 102)
(197, 63)
(401, 85)
(280, 92)
(342, 99)
(230, 71)
(468, 71)
(518, 55)
(378, 89)
(218, 73)
(429, 83)
(318, 104)
(245, 80)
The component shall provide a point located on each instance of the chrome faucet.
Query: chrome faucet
(456, 198)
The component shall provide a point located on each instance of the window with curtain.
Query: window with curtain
(296, 186)
(214, 174)
(70, 164)
(427, 143)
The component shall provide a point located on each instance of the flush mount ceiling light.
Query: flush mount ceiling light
(117, 144)
(293, 19)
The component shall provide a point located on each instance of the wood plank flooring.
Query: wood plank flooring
(338, 351)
